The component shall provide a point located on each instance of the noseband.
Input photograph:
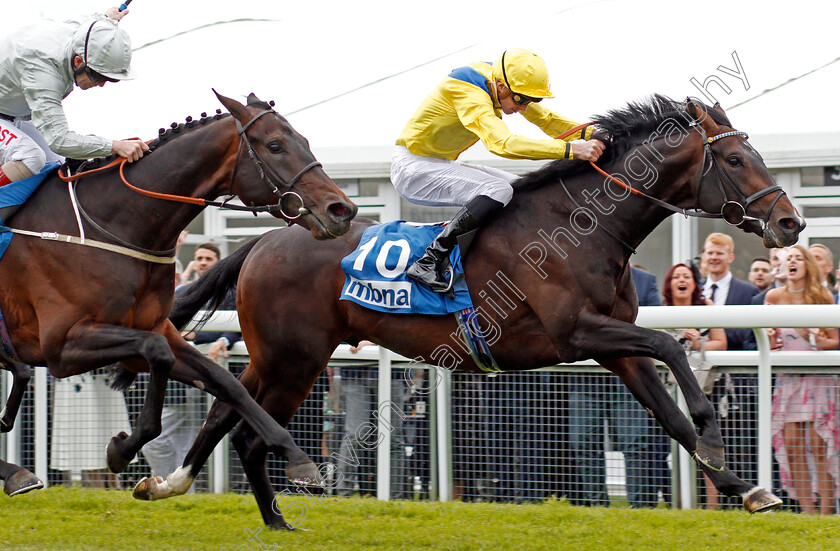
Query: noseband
(268, 174)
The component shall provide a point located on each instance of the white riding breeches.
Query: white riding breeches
(21, 141)
(442, 183)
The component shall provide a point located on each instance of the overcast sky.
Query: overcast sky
(600, 53)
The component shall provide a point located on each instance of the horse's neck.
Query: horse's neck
(148, 222)
(664, 175)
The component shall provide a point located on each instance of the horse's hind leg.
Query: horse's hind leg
(642, 379)
(219, 421)
(21, 374)
(17, 479)
(89, 345)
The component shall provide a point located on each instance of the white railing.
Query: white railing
(754, 317)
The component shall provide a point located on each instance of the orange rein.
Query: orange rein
(596, 167)
(122, 161)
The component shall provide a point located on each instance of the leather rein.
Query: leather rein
(267, 175)
(733, 212)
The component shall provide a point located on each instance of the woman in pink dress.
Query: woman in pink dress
(805, 428)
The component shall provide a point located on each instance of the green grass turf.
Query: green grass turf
(76, 519)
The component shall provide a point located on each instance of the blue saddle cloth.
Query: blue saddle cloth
(16, 194)
(376, 272)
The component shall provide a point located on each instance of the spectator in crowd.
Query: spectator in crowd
(778, 272)
(805, 424)
(184, 405)
(205, 257)
(602, 398)
(40, 64)
(179, 266)
(87, 413)
(825, 262)
(760, 274)
(734, 396)
(680, 288)
(359, 396)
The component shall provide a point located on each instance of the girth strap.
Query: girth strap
(53, 236)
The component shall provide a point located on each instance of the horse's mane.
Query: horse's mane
(621, 130)
(176, 129)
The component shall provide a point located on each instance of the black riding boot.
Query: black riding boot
(433, 268)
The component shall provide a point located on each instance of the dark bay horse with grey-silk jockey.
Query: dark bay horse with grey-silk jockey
(74, 308)
(550, 277)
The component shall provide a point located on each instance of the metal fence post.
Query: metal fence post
(383, 449)
(41, 410)
(12, 437)
(765, 401)
(443, 392)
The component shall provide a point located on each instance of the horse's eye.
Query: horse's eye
(733, 160)
(275, 147)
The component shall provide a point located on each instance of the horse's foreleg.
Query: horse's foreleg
(642, 380)
(605, 338)
(193, 368)
(21, 374)
(90, 345)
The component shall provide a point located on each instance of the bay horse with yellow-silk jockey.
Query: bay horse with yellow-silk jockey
(569, 294)
(74, 308)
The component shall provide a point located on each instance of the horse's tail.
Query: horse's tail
(119, 378)
(209, 291)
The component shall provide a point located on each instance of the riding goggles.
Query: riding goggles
(520, 99)
(98, 78)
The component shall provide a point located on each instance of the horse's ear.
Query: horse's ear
(254, 100)
(697, 110)
(234, 107)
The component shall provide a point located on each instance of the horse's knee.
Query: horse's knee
(157, 351)
(21, 373)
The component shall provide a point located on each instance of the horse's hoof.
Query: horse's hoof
(145, 489)
(305, 474)
(710, 456)
(759, 500)
(5, 425)
(117, 462)
(21, 482)
(281, 525)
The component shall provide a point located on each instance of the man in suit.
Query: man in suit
(734, 396)
(646, 288)
(598, 398)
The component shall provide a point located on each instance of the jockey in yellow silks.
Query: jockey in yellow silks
(463, 109)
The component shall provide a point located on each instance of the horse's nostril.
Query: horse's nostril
(790, 224)
(342, 211)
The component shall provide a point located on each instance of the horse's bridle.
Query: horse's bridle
(268, 174)
(146, 254)
(733, 213)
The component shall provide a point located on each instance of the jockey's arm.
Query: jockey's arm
(478, 116)
(43, 94)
